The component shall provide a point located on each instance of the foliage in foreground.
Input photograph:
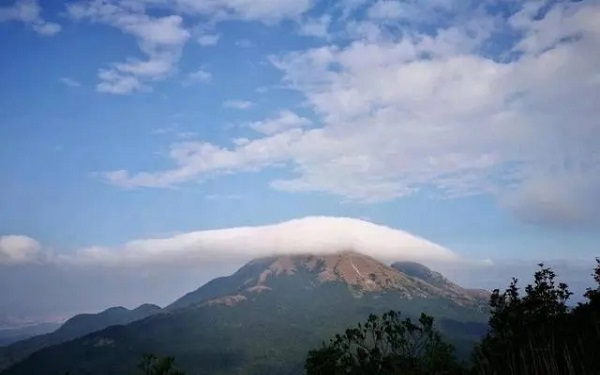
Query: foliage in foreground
(534, 333)
(153, 365)
(537, 333)
(385, 345)
(531, 333)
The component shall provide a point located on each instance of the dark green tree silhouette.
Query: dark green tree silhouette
(385, 345)
(153, 365)
(537, 333)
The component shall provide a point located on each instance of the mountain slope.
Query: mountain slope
(263, 318)
(436, 279)
(9, 336)
(77, 326)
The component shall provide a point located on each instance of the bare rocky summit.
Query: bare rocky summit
(361, 273)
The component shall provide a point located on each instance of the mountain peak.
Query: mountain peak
(347, 266)
(361, 273)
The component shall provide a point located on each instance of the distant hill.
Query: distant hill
(8, 336)
(264, 318)
(77, 326)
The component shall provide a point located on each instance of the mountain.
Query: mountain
(77, 326)
(436, 279)
(265, 317)
(361, 273)
(8, 336)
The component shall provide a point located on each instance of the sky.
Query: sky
(471, 125)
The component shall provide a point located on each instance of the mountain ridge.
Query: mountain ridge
(265, 316)
(360, 272)
(77, 326)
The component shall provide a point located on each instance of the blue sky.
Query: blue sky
(475, 127)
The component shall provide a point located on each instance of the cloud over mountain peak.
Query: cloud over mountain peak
(319, 235)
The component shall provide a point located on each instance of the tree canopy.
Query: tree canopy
(538, 333)
(535, 332)
(385, 345)
(153, 365)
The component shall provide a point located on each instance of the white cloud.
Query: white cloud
(197, 159)
(29, 12)
(284, 121)
(399, 113)
(160, 39)
(70, 82)
(266, 11)
(238, 104)
(18, 250)
(320, 235)
(317, 27)
(386, 9)
(199, 76)
(244, 43)
(46, 28)
(227, 197)
(114, 83)
(206, 40)
(309, 235)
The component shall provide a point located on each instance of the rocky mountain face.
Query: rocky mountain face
(77, 326)
(444, 286)
(360, 273)
(263, 318)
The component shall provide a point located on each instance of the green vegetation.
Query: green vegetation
(268, 333)
(534, 333)
(152, 365)
(537, 333)
(385, 345)
(77, 326)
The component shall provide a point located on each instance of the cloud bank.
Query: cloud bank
(461, 101)
(309, 235)
(160, 270)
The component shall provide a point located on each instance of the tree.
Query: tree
(152, 365)
(538, 333)
(385, 345)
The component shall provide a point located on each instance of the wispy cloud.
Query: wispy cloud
(285, 120)
(225, 197)
(244, 43)
(198, 76)
(29, 13)
(267, 12)
(238, 104)
(70, 82)
(160, 39)
(207, 40)
(317, 27)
